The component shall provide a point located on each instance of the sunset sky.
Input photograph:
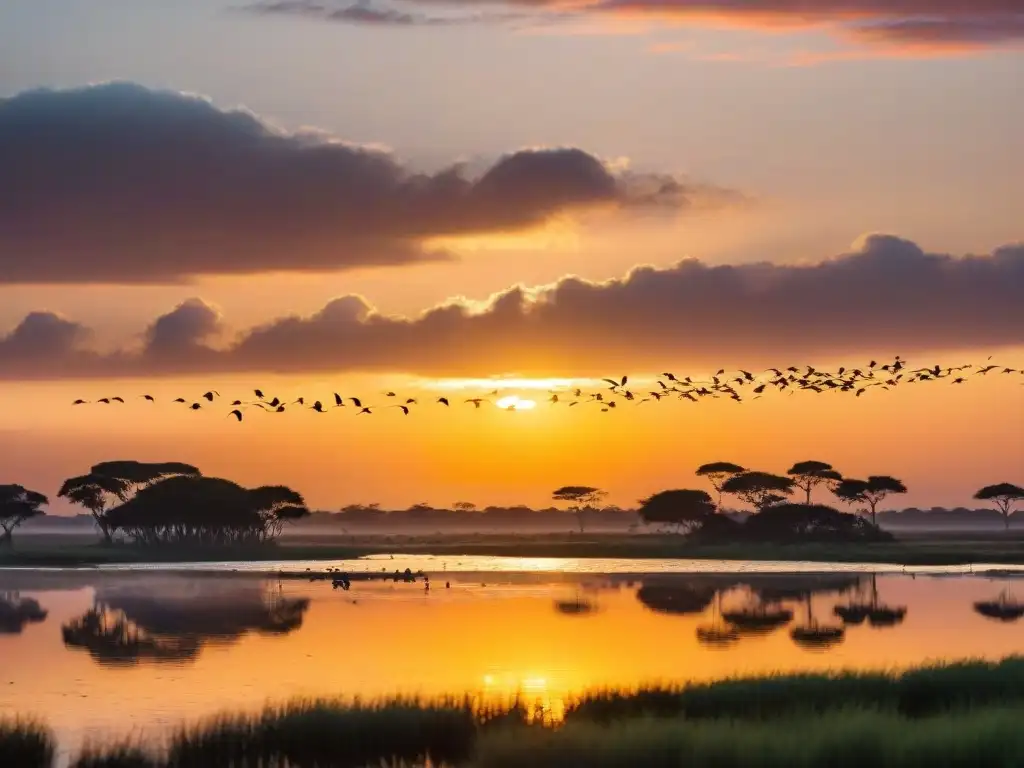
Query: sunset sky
(310, 196)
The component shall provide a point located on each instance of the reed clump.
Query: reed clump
(26, 743)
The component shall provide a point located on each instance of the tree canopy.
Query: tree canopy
(580, 497)
(1003, 495)
(685, 509)
(95, 492)
(200, 509)
(808, 475)
(18, 504)
(794, 522)
(579, 494)
(870, 492)
(110, 482)
(759, 489)
(717, 472)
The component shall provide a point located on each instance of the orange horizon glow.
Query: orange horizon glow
(440, 454)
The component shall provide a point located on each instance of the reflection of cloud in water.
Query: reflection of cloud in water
(17, 611)
(168, 622)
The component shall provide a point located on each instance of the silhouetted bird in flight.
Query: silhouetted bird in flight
(80, 402)
(338, 401)
(405, 408)
(476, 401)
(258, 393)
(318, 407)
(210, 395)
(149, 398)
(237, 414)
(365, 410)
(443, 400)
(195, 406)
(356, 402)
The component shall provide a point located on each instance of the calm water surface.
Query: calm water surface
(113, 652)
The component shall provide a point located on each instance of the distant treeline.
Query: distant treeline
(359, 517)
(609, 517)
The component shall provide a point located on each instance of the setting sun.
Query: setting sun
(514, 403)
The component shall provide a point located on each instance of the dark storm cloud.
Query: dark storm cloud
(120, 184)
(916, 23)
(886, 297)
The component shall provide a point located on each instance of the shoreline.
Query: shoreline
(979, 550)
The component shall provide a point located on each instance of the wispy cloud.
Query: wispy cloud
(936, 26)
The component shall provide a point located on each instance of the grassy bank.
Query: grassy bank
(850, 739)
(58, 550)
(957, 714)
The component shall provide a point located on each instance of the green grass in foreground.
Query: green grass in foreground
(61, 550)
(971, 710)
(916, 692)
(992, 738)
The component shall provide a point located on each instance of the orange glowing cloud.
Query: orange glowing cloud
(946, 25)
(886, 295)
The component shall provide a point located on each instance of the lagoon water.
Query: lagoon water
(137, 650)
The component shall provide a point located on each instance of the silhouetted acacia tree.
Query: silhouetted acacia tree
(18, 504)
(1003, 496)
(580, 497)
(687, 510)
(464, 506)
(206, 510)
(95, 492)
(759, 489)
(717, 472)
(808, 475)
(110, 482)
(870, 492)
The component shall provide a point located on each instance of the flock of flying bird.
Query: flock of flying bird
(857, 381)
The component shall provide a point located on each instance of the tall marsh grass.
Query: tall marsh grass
(914, 693)
(26, 743)
(991, 738)
(804, 719)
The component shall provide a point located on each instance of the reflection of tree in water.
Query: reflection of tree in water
(763, 610)
(717, 634)
(813, 635)
(17, 611)
(578, 606)
(1004, 608)
(676, 599)
(127, 625)
(875, 613)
